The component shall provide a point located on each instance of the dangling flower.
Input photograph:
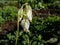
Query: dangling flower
(26, 15)
(28, 11)
(20, 14)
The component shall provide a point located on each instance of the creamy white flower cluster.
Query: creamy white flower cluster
(25, 16)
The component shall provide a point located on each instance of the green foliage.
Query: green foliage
(39, 4)
(1, 20)
(41, 29)
(9, 12)
(49, 1)
(35, 4)
(49, 24)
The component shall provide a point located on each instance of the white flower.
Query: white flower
(28, 11)
(26, 15)
(25, 24)
(20, 14)
(52, 40)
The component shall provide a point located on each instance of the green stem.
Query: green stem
(17, 32)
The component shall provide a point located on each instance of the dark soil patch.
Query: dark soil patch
(8, 26)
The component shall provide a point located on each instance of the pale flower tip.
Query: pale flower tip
(27, 31)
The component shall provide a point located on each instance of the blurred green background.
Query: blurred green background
(42, 29)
